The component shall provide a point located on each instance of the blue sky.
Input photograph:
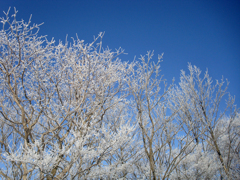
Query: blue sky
(204, 33)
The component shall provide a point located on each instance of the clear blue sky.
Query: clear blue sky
(205, 33)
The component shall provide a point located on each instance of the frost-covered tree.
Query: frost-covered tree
(213, 127)
(75, 111)
(62, 107)
(158, 130)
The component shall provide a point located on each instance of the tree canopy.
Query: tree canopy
(74, 110)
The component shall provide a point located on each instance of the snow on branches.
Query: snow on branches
(75, 111)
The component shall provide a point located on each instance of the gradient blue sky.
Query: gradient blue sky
(205, 33)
